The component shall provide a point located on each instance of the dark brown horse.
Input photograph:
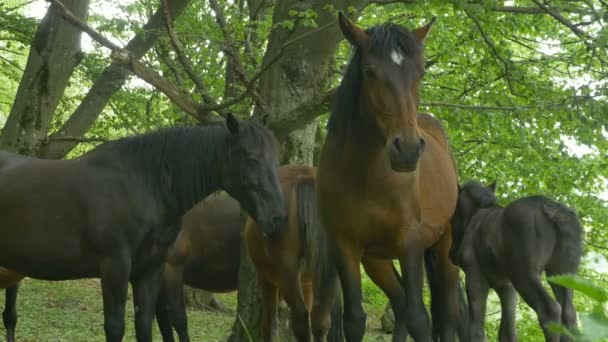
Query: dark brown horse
(205, 255)
(114, 212)
(507, 249)
(387, 184)
(9, 280)
(295, 262)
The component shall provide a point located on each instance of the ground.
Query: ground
(72, 311)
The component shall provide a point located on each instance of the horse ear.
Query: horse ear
(493, 186)
(355, 35)
(232, 123)
(421, 32)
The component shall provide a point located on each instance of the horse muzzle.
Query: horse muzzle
(404, 157)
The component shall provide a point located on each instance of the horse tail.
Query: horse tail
(435, 285)
(314, 244)
(569, 247)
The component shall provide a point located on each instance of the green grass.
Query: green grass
(72, 311)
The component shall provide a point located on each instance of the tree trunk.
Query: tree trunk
(301, 76)
(54, 53)
(202, 300)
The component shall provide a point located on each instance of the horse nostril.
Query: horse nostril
(421, 144)
(397, 145)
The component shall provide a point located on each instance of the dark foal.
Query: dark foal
(205, 255)
(507, 249)
(9, 281)
(114, 212)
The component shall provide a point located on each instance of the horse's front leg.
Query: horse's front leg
(348, 260)
(162, 315)
(145, 294)
(114, 272)
(9, 316)
(444, 281)
(384, 275)
(508, 304)
(325, 291)
(291, 289)
(477, 295)
(418, 323)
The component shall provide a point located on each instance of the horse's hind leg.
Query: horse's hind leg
(383, 274)
(477, 295)
(508, 303)
(444, 282)
(115, 273)
(9, 316)
(418, 323)
(548, 310)
(564, 297)
(291, 289)
(145, 294)
(174, 288)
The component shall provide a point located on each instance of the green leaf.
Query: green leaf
(581, 285)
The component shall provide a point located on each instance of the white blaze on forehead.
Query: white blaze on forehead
(397, 57)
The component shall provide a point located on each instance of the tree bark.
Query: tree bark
(54, 54)
(110, 80)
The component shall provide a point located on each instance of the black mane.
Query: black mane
(383, 39)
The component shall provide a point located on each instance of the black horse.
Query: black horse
(507, 249)
(113, 212)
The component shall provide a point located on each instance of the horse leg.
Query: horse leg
(174, 287)
(115, 272)
(508, 303)
(533, 293)
(145, 294)
(9, 316)
(349, 271)
(418, 323)
(324, 299)
(477, 295)
(445, 291)
(291, 289)
(384, 275)
(564, 298)
(270, 296)
(162, 315)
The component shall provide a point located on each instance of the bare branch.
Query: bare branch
(580, 33)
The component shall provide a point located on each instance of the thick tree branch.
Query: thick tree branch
(303, 114)
(51, 140)
(110, 81)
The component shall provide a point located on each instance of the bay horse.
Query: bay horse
(9, 280)
(113, 212)
(387, 182)
(507, 249)
(205, 255)
(296, 261)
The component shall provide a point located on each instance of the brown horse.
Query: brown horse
(387, 184)
(114, 212)
(205, 255)
(9, 280)
(295, 262)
